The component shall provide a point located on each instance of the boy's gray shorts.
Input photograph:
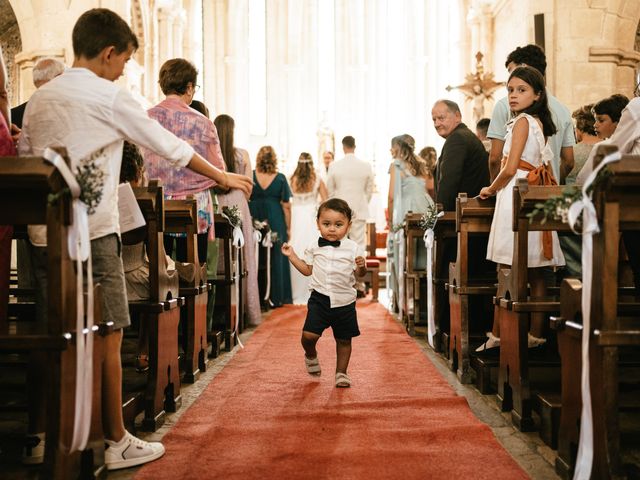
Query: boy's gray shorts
(107, 271)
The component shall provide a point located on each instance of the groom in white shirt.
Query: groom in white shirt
(351, 179)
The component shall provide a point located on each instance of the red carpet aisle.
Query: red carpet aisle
(263, 417)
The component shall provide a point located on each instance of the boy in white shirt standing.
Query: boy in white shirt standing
(85, 112)
(332, 261)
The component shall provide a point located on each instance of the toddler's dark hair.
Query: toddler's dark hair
(132, 167)
(337, 205)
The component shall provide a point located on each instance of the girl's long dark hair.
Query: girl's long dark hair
(225, 125)
(304, 176)
(539, 108)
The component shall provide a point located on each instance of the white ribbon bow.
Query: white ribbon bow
(429, 240)
(590, 227)
(79, 244)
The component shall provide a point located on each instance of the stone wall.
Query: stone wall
(590, 44)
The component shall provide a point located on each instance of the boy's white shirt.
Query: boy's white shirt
(333, 270)
(87, 114)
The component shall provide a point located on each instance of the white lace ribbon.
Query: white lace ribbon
(590, 227)
(257, 236)
(79, 245)
(266, 242)
(429, 239)
(238, 243)
(399, 238)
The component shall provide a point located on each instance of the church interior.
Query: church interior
(227, 395)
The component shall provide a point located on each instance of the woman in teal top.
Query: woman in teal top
(407, 193)
(270, 201)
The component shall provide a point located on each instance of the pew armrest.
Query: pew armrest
(617, 338)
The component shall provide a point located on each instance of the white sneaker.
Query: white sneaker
(492, 342)
(33, 451)
(533, 342)
(131, 451)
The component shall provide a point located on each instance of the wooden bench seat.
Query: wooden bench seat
(614, 356)
(445, 236)
(516, 305)
(181, 216)
(229, 273)
(160, 316)
(28, 182)
(471, 282)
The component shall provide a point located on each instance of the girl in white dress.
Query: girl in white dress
(526, 152)
(306, 186)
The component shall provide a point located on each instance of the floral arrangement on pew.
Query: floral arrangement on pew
(428, 223)
(233, 215)
(91, 181)
(429, 219)
(557, 208)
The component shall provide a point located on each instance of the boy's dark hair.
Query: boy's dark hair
(132, 167)
(611, 106)
(584, 119)
(540, 107)
(99, 28)
(176, 75)
(531, 55)
(337, 205)
(483, 125)
(199, 106)
(349, 142)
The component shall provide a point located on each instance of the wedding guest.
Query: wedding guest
(351, 179)
(430, 157)
(481, 132)
(237, 161)
(270, 201)
(177, 81)
(307, 187)
(607, 114)
(586, 136)
(408, 176)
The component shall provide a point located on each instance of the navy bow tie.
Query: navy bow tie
(323, 242)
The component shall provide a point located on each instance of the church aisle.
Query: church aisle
(264, 417)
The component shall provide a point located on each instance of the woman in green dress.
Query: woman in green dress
(270, 201)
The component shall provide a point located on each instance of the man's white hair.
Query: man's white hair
(45, 69)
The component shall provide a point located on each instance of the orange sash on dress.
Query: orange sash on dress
(541, 175)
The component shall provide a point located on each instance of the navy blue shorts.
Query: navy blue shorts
(320, 316)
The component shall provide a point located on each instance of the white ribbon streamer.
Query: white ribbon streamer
(79, 245)
(257, 236)
(429, 239)
(399, 238)
(237, 290)
(266, 242)
(584, 460)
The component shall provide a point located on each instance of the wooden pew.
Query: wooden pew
(181, 216)
(614, 331)
(473, 224)
(415, 276)
(28, 182)
(514, 388)
(229, 272)
(444, 236)
(161, 313)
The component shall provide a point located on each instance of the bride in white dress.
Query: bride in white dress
(307, 187)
